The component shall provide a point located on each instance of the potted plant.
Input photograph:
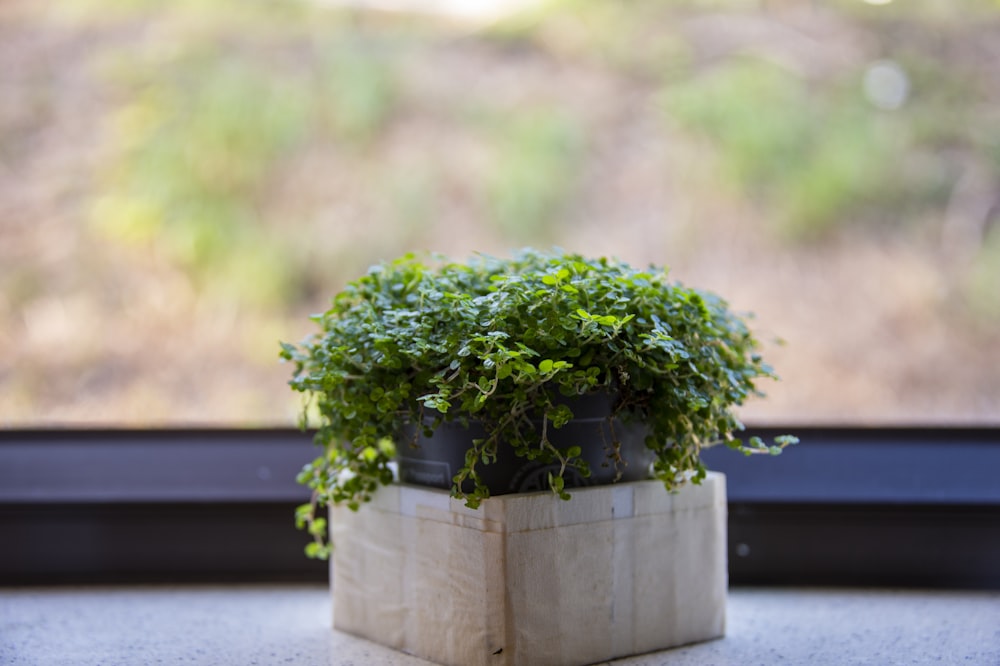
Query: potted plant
(506, 352)
(546, 370)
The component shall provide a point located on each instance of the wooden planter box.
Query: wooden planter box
(530, 579)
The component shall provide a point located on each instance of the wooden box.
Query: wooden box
(531, 579)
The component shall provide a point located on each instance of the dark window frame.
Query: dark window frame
(914, 506)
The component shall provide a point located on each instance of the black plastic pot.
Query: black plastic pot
(433, 461)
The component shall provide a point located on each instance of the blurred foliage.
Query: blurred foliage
(200, 136)
(631, 39)
(240, 161)
(984, 279)
(196, 141)
(538, 154)
(208, 120)
(357, 89)
(811, 145)
(812, 158)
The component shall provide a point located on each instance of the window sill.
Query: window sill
(897, 507)
(278, 623)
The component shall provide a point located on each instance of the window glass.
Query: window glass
(182, 184)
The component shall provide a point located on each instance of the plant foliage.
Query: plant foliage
(501, 340)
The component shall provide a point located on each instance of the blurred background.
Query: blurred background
(183, 183)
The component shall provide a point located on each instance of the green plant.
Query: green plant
(498, 339)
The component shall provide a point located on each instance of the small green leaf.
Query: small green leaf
(560, 416)
(288, 351)
(387, 447)
(303, 513)
(318, 527)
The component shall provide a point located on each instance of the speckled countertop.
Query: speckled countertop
(279, 624)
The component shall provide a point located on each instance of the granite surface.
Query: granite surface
(290, 624)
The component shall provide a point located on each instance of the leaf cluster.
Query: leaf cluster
(505, 342)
